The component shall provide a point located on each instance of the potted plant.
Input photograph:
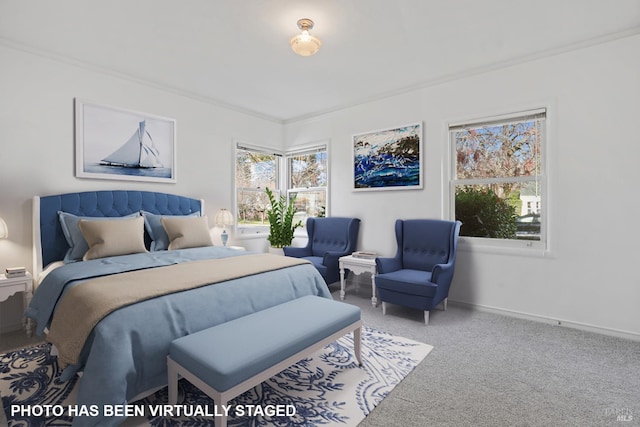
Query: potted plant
(281, 226)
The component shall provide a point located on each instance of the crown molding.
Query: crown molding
(135, 79)
(472, 72)
(323, 113)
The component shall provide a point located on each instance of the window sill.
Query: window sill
(251, 234)
(534, 249)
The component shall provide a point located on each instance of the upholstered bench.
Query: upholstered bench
(226, 360)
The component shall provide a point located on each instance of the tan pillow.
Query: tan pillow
(187, 232)
(111, 238)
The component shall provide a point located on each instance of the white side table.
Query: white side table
(9, 286)
(358, 266)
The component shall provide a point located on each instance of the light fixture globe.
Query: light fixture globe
(305, 44)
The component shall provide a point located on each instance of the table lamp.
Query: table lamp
(4, 232)
(222, 219)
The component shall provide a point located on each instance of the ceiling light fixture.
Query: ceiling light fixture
(305, 44)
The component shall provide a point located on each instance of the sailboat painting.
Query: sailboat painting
(114, 143)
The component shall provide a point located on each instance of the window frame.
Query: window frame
(282, 184)
(302, 150)
(245, 229)
(497, 245)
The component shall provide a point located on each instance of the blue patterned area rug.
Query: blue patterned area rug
(325, 389)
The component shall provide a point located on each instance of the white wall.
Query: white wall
(593, 94)
(37, 144)
(589, 278)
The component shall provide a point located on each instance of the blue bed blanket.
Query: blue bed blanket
(126, 352)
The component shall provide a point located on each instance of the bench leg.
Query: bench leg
(173, 382)
(357, 344)
(220, 421)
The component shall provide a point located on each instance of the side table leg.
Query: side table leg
(374, 299)
(26, 322)
(29, 327)
(342, 282)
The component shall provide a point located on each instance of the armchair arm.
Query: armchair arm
(330, 258)
(442, 273)
(297, 252)
(387, 265)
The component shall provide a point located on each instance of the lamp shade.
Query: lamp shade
(223, 218)
(4, 232)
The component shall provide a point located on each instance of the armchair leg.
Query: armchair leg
(384, 308)
(444, 304)
(426, 317)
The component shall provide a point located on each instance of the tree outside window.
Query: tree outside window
(308, 177)
(259, 168)
(255, 171)
(497, 185)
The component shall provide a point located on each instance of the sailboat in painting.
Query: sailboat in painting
(138, 152)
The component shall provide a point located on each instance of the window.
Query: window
(307, 173)
(497, 181)
(256, 169)
(259, 168)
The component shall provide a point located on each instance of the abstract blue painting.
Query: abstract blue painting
(388, 159)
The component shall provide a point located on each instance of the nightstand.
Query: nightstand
(24, 284)
(358, 266)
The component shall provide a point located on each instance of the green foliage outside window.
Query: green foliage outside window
(484, 214)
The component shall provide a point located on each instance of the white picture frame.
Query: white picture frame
(116, 143)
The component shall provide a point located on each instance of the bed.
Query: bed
(123, 357)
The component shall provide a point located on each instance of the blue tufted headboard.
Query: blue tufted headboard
(49, 243)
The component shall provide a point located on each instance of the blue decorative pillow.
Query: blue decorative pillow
(77, 244)
(159, 238)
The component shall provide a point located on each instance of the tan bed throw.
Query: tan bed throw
(83, 306)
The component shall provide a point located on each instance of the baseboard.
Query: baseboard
(552, 321)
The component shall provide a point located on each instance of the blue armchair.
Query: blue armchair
(420, 274)
(329, 239)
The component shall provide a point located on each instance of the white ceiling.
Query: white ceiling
(236, 52)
